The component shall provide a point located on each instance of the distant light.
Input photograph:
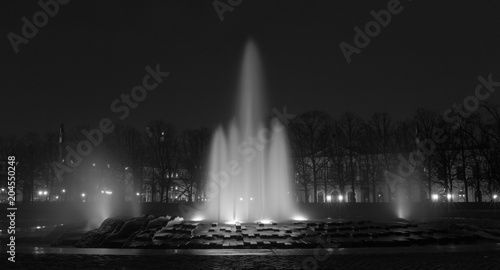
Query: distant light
(93, 164)
(197, 219)
(232, 222)
(57, 197)
(341, 198)
(3, 189)
(251, 199)
(265, 221)
(138, 194)
(495, 197)
(63, 191)
(102, 191)
(40, 192)
(83, 194)
(38, 227)
(448, 196)
(435, 197)
(109, 192)
(45, 192)
(241, 199)
(126, 168)
(299, 218)
(328, 198)
(108, 166)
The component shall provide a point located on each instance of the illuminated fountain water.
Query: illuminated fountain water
(249, 166)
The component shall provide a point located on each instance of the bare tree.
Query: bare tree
(194, 151)
(163, 156)
(426, 122)
(128, 147)
(349, 131)
(310, 138)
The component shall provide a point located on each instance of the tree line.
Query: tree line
(344, 154)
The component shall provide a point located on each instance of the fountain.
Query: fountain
(249, 168)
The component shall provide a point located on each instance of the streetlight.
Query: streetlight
(341, 198)
(83, 195)
(63, 191)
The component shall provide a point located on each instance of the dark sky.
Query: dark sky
(93, 51)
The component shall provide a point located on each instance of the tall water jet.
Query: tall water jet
(249, 167)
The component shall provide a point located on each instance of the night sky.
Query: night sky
(91, 52)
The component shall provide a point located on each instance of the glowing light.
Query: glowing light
(93, 164)
(83, 194)
(449, 196)
(40, 192)
(495, 197)
(251, 199)
(45, 193)
(102, 191)
(328, 198)
(38, 227)
(63, 191)
(109, 192)
(241, 199)
(197, 219)
(299, 218)
(57, 197)
(138, 194)
(435, 197)
(341, 198)
(126, 168)
(232, 222)
(3, 189)
(265, 221)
